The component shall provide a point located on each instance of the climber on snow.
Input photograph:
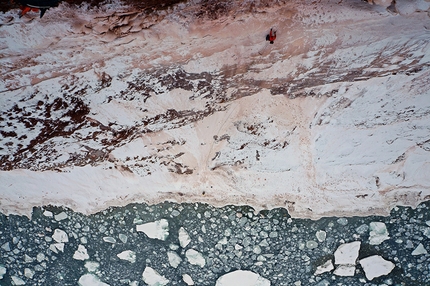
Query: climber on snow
(271, 37)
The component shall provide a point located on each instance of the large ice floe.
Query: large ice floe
(375, 266)
(241, 277)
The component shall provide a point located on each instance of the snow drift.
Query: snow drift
(112, 105)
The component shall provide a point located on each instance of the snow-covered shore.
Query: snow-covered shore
(107, 107)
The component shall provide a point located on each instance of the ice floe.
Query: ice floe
(3, 271)
(420, 250)
(122, 237)
(187, 279)
(243, 277)
(158, 229)
(81, 253)
(194, 257)
(153, 278)
(17, 281)
(57, 247)
(184, 238)
(6, 247)
(127, 255)
(174, 259)
(61, 216)
(378, 233)
(48, 213)
(60, 236)
(28, 273)
(91, 266)
(321, 235)
(347, 253)
(344, 270)
(325, 267)
(109, 239)
(311, 244)
(90, 280)
(376, 266)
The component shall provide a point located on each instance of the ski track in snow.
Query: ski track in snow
(103, 107)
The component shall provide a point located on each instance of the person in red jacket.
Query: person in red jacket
(36, 6)
(271, 37)
(26, 9)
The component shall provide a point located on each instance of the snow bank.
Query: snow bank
(105, 108)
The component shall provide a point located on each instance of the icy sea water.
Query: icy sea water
(117, 246)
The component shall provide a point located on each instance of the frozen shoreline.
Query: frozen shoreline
(106, 109)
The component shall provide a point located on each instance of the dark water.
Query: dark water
(269, 243)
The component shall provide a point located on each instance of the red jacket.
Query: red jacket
(272, 36)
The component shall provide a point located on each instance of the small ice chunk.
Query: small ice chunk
(123, 238)
(152, 278)
(127, 255)
(187, 279)
(345, 270)
(311, 244)
(426, 232)
(342, 221)
(40, 257)
(375, 266)
(28, 259)
(323, 282)
(347, 253)
(59, 246)
(419, 250)
(158, 229)
(175, 213)
(60, 216)
(92, 266)
(137, 220)
(60, 236)
(264, 243)
(28, 273)
(90, 280)
(2, 271)
(17, 281)
(174, 259)
(109, 239)
(223, 241)
(6, 246)
(362, 229)
(256, 249)
(184, 238)
(378, 233)
(195, 257)
(48, 213)
(321, 235)
(245, 277)
(81, 253)
(53, 248)
(326, 267)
